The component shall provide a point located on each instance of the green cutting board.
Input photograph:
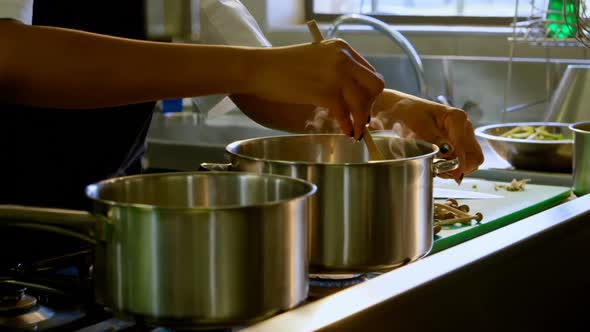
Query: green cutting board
(497, 212)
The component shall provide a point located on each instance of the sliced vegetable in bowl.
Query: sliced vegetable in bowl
(533, 133)
(539, 146)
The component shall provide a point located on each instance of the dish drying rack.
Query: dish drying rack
(535, 29)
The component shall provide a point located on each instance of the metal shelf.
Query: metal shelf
(534, 30)
(546, 42)
(540, 29)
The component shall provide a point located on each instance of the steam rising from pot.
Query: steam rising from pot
(322, 123)
(403, 144)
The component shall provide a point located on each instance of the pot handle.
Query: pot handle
(73, 223)
(441, 166)
(215, 167)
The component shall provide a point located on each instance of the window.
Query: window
(447, 12)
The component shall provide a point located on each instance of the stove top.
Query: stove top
(46, 285)
(27, 307)
(48, 294)
(52, 290)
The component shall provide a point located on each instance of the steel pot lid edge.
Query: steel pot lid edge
(92, 191)
(235, 144)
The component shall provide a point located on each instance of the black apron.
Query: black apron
(50, 155)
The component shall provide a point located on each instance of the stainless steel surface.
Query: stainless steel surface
(447, 76)
(581, 157)
(442, 166)
(569, 103)
(27, 320)
(72, 223)
(366, 216)
(406, 286)
(179, 142)
(521, 107)
(393, 35)
(553, 156)
(495, 168)
(199, 249)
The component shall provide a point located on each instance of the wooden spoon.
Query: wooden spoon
(374, 153)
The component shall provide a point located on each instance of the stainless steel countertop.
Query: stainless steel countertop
(396, 285)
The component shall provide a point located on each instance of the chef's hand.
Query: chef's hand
(434, 123)
(328, 74)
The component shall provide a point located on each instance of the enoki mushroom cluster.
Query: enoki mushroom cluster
(450, 213)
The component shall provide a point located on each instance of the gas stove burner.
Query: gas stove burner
(10, 294)
(117, 325)
(322, 285)
(26, 320)
(335, 280)
(18, 311)
(20, 302)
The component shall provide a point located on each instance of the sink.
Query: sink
(179, 142)
(185, 128)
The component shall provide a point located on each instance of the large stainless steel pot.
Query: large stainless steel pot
(192, 249)
(367, 216)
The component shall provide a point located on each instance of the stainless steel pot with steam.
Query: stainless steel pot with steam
(186, 250)
(367, 216)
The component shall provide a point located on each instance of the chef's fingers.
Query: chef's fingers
(369, 80)
(359, 57)
(473, 152)
(339, 110)
(446, 151)
(455, 121)
(445, 176)
(359, 106)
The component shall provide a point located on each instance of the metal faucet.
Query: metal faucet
(394, 35)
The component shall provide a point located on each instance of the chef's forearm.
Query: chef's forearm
(52, 67)
(388, 98)
(291, 118)
(265, 112)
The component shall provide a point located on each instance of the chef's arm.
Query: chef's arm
(388, 98)
(54, 67)
(293, 117)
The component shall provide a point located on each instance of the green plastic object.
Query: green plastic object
(561, 18)
(497, 213)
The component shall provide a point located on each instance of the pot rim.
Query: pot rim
(92, 192)
(313, 163)
(574, 126)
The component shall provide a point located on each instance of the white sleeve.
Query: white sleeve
(226, 22)
(21, 10)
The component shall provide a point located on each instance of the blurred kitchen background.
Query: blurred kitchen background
(484, 56)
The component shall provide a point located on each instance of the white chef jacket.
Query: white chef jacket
(21, 10)
(222, 22)
(226, 22)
